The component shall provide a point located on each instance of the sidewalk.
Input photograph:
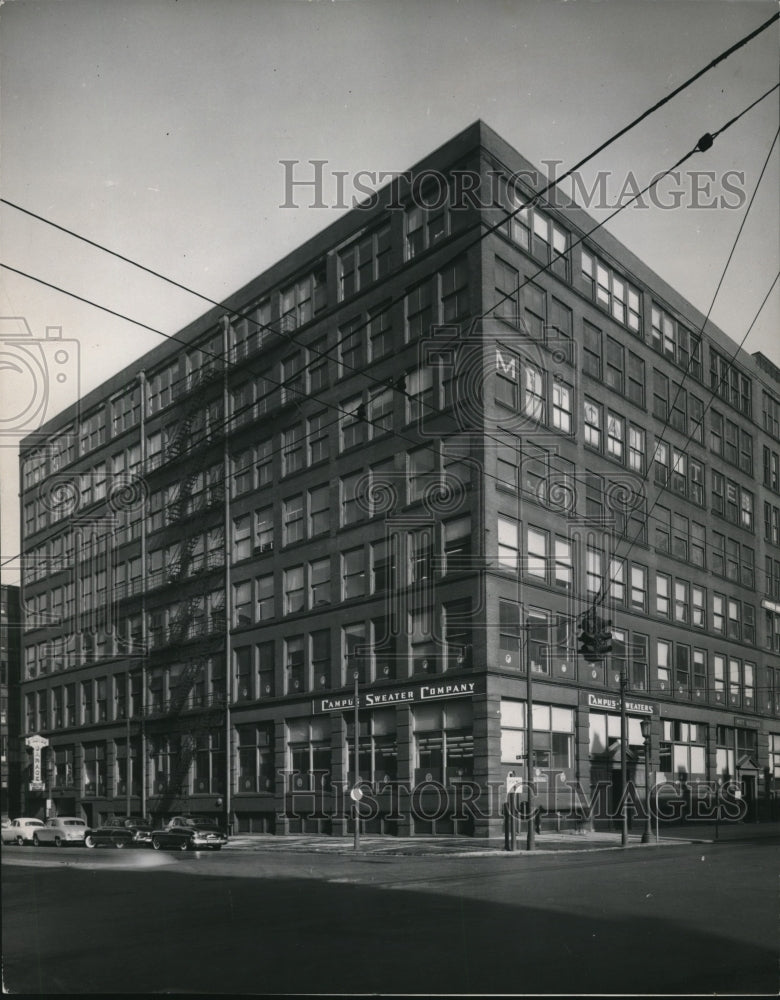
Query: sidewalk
(566, 841)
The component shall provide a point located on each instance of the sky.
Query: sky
(157, 128)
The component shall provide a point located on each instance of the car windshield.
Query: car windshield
(201, 821)
(75, 822)
(31, 822)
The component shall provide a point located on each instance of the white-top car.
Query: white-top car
(21, 831)
(61, 831)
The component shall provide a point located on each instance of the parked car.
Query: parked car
(119, 831)
(189, 833)
(20, 831)
(61, 831)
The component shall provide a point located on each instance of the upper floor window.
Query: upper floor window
(730, 383)
(612, 292)
(364, 261)
(302, 300)
(427, 220)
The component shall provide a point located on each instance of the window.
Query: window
(419, 312)
(264, 529)
(377, 748)
(380, 333)
(242, 541)
(427, 220)
(593, 570)
(380, 412)
(613, 293)
(317, 436)
(293, 590)
(592, 413)
(636, 379)
(562, 407)
(264, 598)
(364, 261)
(301, 300)
(457, 545)
(563, 568)
(350, 347)
(507, 284)
(422, 472)
(352, 509)
(553, 738)
(636, 449)
(292, 519)
(730, 383)
(698, 602)
(354, 647)
(682, 601)
(292, 450)
(591, 359)
(662, 597)
(537, 543)
(242, 603)
(353, 573)
(382, 565)
(308, 751)
(256, 769)
(454, 291)
(318, 365)
(444, 742)
(615, 436)
(614, 373)
(507, 386)
(419, 391)
(508, 545)
(534, 309)
(319, 510)
(353, 426)
(295, 663)
(664, 663)
(719, 614)
(639, 588)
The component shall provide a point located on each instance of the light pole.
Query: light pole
(530, 843)
(623, 760)
(644, 725)
(355, 794)
(128, 771)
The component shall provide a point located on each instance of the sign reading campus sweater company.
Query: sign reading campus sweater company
(613, 704)
(406, 695)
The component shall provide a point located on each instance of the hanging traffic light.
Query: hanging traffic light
(604, 636)
(587, 639)
(595, 638)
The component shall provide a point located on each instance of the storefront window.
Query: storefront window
(377, 748)
(444, 742)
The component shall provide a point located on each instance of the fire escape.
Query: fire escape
(194, 630)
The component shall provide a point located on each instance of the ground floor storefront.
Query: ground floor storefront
(431, 758)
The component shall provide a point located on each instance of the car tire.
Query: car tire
(217, 847)
(119, 844)
(20, 841)
(58, 842)
(90, 842)
(36, 842)
(156, 845)
(184, 845)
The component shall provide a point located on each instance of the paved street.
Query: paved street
(677, 919)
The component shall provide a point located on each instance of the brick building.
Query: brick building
(419, 448)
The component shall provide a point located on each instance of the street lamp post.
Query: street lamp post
(644, 725)
(355, 789)
(128, 772)
(623, 760)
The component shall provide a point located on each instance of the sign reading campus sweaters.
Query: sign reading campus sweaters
(405, 695)
(613, 704)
